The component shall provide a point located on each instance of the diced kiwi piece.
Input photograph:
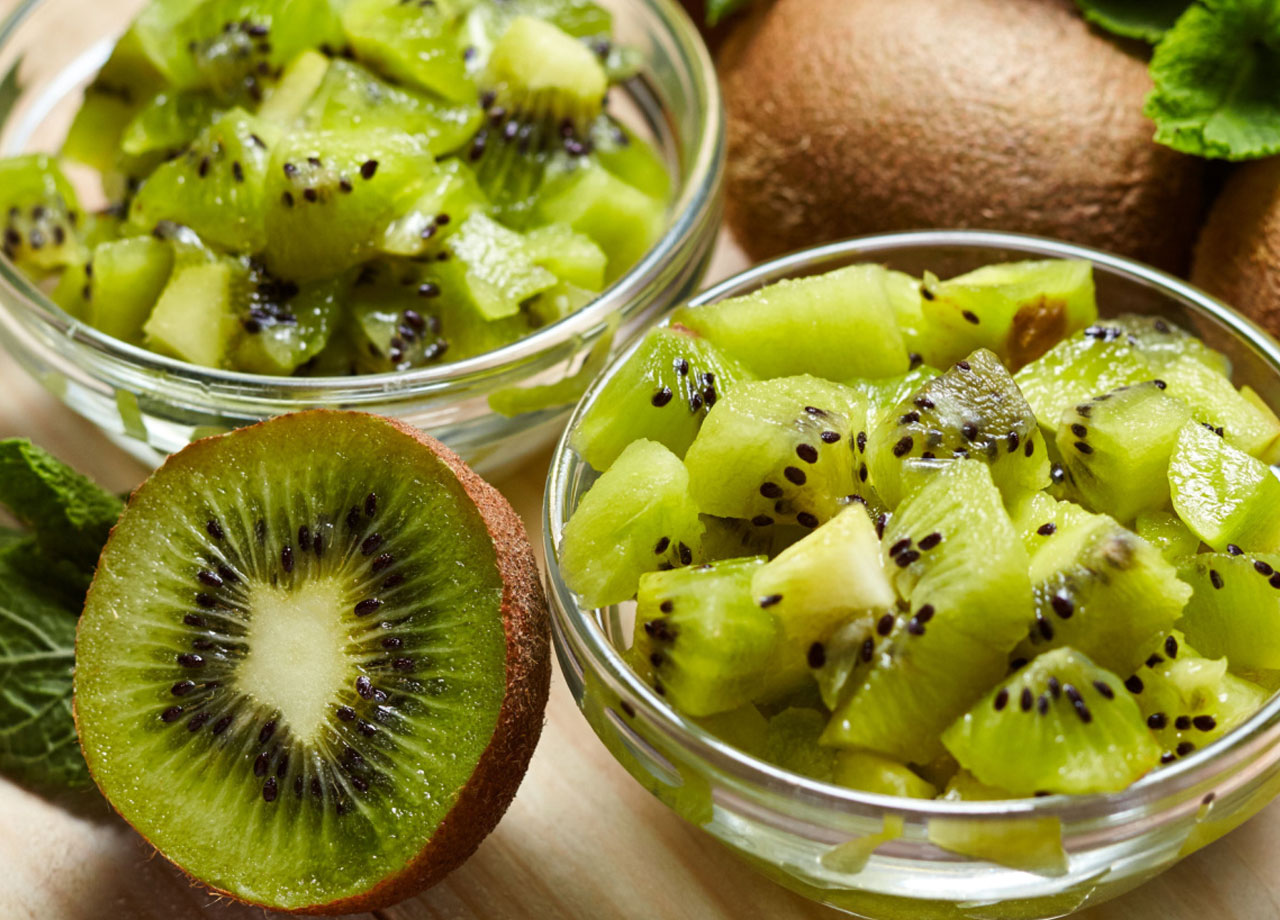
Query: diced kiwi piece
(961, 571)
(778, 450)
(124, 84)
(1162, 342)
(215, 187)
(1084, 568)
(1093, 361)
(1190, 701)
(500, 272)
(630, 158)
(298, 82)
(567, 254)
(1117, 445)
(41, 214)
(194, 319)
(662, 392)
(1166, 532)
(636, 518)
(446, 198)
(622, 220)
(1270, 452)
(1225, 496)
(973, 410)
(486, 23)
(414, 43)
(330, 196)
(814, 584)
(352, 98)
(1217, 403)
(283, 325)
(700, 640)
(1235, 610)
(304, 633)
(128, 276)
(869, 772)
(234, 48)
(839, 325)
(1019, 310)
(166, 125)
(1060, 725)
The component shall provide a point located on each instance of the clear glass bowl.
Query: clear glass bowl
(885, 857)
(49, 49)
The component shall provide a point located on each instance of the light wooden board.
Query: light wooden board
(582, 841)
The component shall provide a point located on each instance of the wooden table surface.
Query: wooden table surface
(581, 840)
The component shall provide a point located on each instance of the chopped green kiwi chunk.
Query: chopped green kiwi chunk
(288, 643)
(1117, 446)
(1019, 310)
(128, 277)
(1225, 496)
(216, 187)
(636, 518)
(1190, 701)
(41, 215)
(412, 43)
(973, 410)
(1095, 360)
(838, 325)
(1061, 724)
(446, 199)
(662, 393)
(501, 274)
(166, 125)
(284, 325)
(1085, 568)
(194, 318)
(776, 451)
(1235, 608)
(700, 640)
(869, 772)
(961, 571)
(1216, 402)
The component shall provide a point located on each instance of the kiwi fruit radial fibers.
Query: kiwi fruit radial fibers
(313, 663)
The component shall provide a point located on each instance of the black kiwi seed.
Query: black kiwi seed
(805, 519)
(1045, 627)
(930, 541)
(364, 687)
(1233, 550)
(1079, 430)
(903, 446)
(829, 437)
(1013, 441)
(1157, 720)
(970, 317)
(191, 660)
(286, 558)
(963, 365)
(906, 558)
(1182, 723)
(925, 613)
(1205, 723)
(1184, 748)
(370, 544)
(193, 619)
(198, 721)
(367, 606)
(182, 687)
(1171, 646)
(868, 649)
(1153, 660)
(1215, 578)
(1029, 448)
(1026, 700)
(686, 554)
(658, 548)
(1104, 688)
(795, 475)
(368, 168)
(762, 520)
(370, 505)
(209, 578)
(862, 472)
(1274, 580)
(885, 624)
(1263, 568)
(1083, 447)
(861, 441)
(1133, 683)
(807, 452)
(771, 490)
(1047, 530)
(769, 600)
(817, 655)
(915, 627)
(214, 529)
(1002, 699)
(969, 430)
(1055, 686)
(1042, 704)
(909, 419)
(1063, 606)
(901, 546)
(1168, 758)
(172, 714)
(207, 601)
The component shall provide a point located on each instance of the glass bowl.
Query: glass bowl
(885, 857)
(49, 49)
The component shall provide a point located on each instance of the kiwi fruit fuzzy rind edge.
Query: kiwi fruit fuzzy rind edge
(1238, 252)
(480, 803)
(996, 114)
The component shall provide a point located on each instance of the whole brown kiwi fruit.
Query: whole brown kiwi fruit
(848, 117)
(1238, 255)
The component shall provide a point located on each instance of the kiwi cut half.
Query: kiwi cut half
(313, 663)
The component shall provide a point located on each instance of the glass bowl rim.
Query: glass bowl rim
(687, 213)
(780, 786)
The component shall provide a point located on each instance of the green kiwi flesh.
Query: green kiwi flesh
(344, 662)
(1060, 725)
(40, 213)
(1225, 496)
(1234, 605)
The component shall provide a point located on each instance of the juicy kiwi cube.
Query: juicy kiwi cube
(291, 643)
(447, 198)
(662, 392)
(777, 451)
(1060, 725)
(974, 410)
(501, 274)
(960, 568)
(1117, 446)
(1085, 567)
(1234, 605)
(40, 213)
(1215, 402)
(169, 122)
(1095, 360)
(1226, 497)
(128, 278)
(298, 83)
(193, 319)
(414, 43)
(534, 57)
(636, 518)
(839, 325)
(1019, 310)
(700, 640)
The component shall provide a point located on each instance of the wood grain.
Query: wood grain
(582, 841)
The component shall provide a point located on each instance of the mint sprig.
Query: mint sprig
(43, 577)
(1147, 20)
(1217, 80)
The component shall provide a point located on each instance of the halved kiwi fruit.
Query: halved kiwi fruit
(313, 663)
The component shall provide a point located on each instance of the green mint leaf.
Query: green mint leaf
(1217, 81)
(719, 9)
(71, 516)
(1147, 20)
(38, 744)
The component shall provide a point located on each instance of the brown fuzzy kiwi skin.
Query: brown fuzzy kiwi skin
(848, 117)
(485, 797)
(1237, 257)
